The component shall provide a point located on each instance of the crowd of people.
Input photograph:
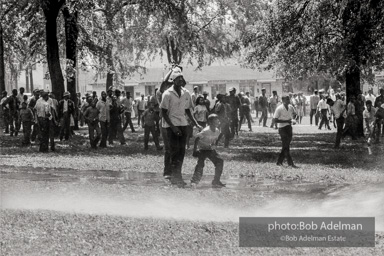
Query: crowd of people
(173, 112)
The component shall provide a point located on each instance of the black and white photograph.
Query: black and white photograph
(192, 127)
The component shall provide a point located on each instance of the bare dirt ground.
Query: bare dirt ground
(114, 201)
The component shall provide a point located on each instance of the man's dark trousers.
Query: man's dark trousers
(324, 119)
(65, 126)
(340, 128)
(27, 132)
(104, 134)
(313, 113)
(286, 138)
(245, 113)
(128, 121)
(177, 146)
(264, 116)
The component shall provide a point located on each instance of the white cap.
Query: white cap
(176, 72)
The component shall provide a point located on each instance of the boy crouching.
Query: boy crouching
(206, 140)
(148, 122)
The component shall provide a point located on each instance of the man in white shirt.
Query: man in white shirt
(284, 117)
(176, 103)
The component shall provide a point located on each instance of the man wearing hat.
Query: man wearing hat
(176, 103)
(284, 116)
(66, 109)
(313, 102)
(263, 103)
(234, 103)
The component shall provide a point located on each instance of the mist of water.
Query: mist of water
(347, 202)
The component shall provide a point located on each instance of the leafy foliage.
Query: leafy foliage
(304, 38)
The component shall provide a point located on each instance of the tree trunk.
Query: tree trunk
(2, 63)
(51, 10)
(31, 79)
(71, 35)
(27, 79)
(110, 67)
(353, 82)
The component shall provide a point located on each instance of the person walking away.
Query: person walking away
(5, 109)
(92, 115)
(200, 112)
(204, 148)
(13, 104)
(247, 94)
(245, 111)
(324, 110)
(234, 103)
(221, 110)
(176, 102)
(148, 122)
(339, 114)
(104, 118)
(284, 116)
(127, 102)
(263, 103)
(273, 101)
(44, 113)
(313, 102)
(140, 107)
(66, 109)
(31, 105)
(26, 118)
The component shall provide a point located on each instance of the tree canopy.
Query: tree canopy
(340, 38)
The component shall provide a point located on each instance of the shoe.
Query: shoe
(160, 148)
(217, 184)
(123, 143)
(250, 130)
(294, 166)
(167, 177)
(279, 164)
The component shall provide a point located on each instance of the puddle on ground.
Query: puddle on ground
(256, 184)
